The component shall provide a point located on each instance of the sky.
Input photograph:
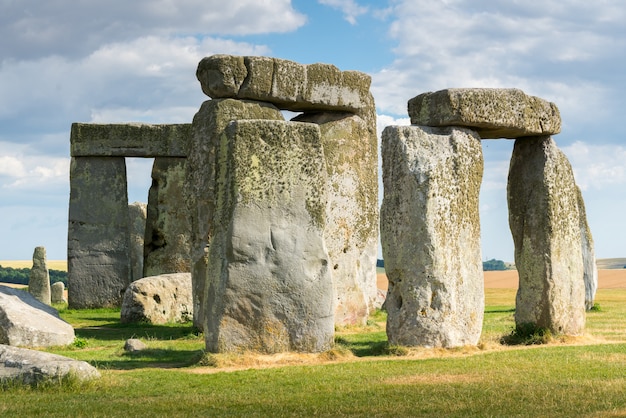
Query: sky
(63, 61)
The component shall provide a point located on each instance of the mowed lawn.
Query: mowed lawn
(362, 376)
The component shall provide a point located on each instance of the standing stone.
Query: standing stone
(270, 288)
(166, 245)
(98, 240)
(492, 113)
(351, 233)
(57, 293)
(39, 282)
(590, 268)
(137, 213)
(430, 235)
(208, 125)
(544, 218)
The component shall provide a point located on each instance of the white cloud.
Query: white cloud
(22, 168)
(565, 50)
(599, 167)
(350, 8)
(70, 28)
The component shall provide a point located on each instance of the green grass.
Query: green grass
(366, 378)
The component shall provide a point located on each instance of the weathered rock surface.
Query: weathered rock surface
(39, 281)
(208, 125)
(270, 288)
(493, 113)
(57, 293)
(133, 344)
(544, 218)
(430, 234)
(27, 322)
(129, 140)
(590, 268)
(98, 252)
(137, 213)
(351, 233)
(167, 246)
(30, 367)
(158, 299)
(286, 84)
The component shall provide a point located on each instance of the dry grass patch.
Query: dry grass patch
(229, 362)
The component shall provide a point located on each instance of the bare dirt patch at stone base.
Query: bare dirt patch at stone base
(508, 279)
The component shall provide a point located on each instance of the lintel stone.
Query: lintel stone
(129, 140)
(493, 113)
(286, 84)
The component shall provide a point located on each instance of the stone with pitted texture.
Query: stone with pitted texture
(545, 222)
(493, 113)
(269, 284)
(161, 299)
(286, 84)
(430, 233)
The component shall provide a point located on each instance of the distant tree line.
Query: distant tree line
(494, 265)
(491, 265)
(21, 276)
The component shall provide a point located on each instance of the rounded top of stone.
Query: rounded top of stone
(492, 112)
(286, 84)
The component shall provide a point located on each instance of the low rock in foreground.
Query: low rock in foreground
(30, 367)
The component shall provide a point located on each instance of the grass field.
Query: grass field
(362, 376)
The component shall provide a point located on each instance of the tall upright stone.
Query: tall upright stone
(39, 281)
(544, 218)
(269, 284)
(98, 239)
(351, 231)
(590, 268)
(430, 234)
(166, 244)
(137, 212)
(208, 126)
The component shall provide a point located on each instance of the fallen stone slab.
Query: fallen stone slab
(286, 84)
(493, 113)
(27, 322)
(30, 367)
(158, 299)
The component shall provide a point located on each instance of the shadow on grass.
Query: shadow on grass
(152, 358)
(117, 331)
(499, 310)
(363, 348)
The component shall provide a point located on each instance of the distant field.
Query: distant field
(20, 264)
(611, 263)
